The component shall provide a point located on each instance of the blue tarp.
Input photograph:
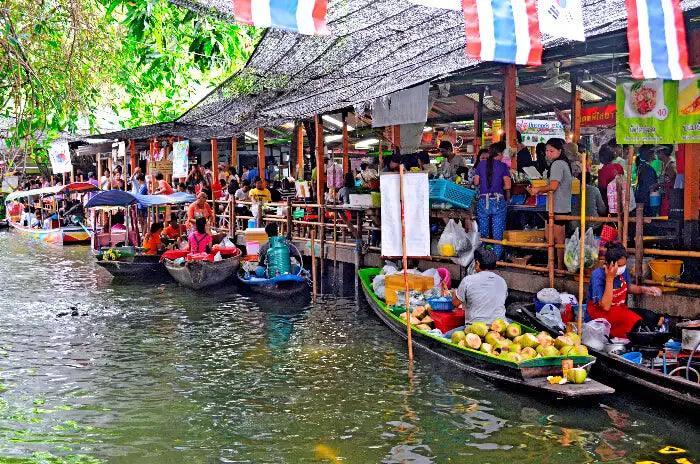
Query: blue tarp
(121, 198)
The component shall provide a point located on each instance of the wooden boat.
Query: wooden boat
(134, 267)
(529, 375)
(678, 390)
(283, 286)
(202, 273)
(4, 224)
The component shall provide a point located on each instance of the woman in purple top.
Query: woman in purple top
(493, 179)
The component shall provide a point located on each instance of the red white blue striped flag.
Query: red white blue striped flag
(656, 39)
(302, 16)
(507, 31)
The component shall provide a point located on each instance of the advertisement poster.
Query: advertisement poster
(536, 131)
(181, 151)
(688, 114)
(59, 156)
(645, 111)
(598, 115)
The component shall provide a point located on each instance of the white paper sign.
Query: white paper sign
(181, 151)
(59, 156)
(416, 213)
(561, 18)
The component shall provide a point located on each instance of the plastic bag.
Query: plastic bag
(226, 243)
(591, 246)
(466, 257)
(550, 315)
(217, 257)
(571, 251)
(595, 333)
(432, 272)
(549, 295)
(453, 239)
(379, 286)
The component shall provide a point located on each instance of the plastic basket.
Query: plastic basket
(445, 191)
(440, 303)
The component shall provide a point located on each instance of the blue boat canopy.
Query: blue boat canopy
(121, 198)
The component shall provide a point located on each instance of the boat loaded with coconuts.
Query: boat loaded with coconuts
(512, 354)
(647, 360)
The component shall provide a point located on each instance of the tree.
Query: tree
(68, 58)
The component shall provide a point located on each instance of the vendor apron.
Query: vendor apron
(621, 318)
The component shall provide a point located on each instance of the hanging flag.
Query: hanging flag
(561, 18)
(302, 16)
(507, 31)
(656, 39)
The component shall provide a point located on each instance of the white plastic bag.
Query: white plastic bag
(453, 239)
(549, 295)
(217, 257)
(227, 243)
(595, 333)
(550, 315)
(379, 286)
(432, 272)
(466, 258)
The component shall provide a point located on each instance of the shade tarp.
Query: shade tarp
(56, 189)
(122, 198)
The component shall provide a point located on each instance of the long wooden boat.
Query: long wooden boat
(682, 392)
(529, 375)
(201, 273)
(68, 235)
(136, 268)
(283, 286)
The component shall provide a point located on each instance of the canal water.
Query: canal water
(92, 371)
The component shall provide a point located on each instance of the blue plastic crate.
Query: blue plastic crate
(445, 191)
(440, 303)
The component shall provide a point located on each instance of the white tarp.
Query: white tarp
(402, 107)
(416, 211)
(181, 152)
(59, 155)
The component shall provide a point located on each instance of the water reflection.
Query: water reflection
(92, 371)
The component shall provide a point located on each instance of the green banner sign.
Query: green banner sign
(646, 111)
(688, 112)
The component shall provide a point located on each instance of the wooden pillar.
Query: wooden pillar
(133, 161)
(551, 252)
(261, 153)
(691, 192)
(98, 158)
(214, 161)
(300, 150)
(478, 122)
(509, 107)
(233, 160)
(346, 145)
(575, 114)
(639, 244)
(320, 165)
(396, 136)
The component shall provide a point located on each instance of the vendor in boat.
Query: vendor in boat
(482, 294)
(199, 209)
(152, 244)
(199, 240)
(272, 231)
(173, 230)
(607, 294)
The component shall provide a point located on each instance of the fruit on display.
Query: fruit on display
(513, 330)
(517, 339)
(420, 312)
(528, 353)
(579, 350)
(565, 350)
(576, 375)
(458, 336)
(473, 341)
(543, 338)
(499, 325)
(504, 344)
(479, 328)
(515, 348)
(492, 338)
(574, 338)
(486, 348)
(549, 351)
(425, 327)
(562, 341)
(529, 340)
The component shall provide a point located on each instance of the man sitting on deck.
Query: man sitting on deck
(483, 294)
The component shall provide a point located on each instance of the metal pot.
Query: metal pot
(690, 335)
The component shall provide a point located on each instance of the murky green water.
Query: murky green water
(158, 374)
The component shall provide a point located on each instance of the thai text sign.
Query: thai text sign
(599, 115)
(536, 131)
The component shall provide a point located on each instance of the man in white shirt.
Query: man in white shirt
(452, 162)
(242, 193)
(483, 294)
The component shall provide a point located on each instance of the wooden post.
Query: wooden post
(478, 122)
(300, 150)
(639, 244)
(396, 136)
(133, 161)
(626, 187)
(381, 157)
(551, 255)
(313, 264)
(582, 250)
(509, 106)
(320, 165)
(233, 160)
(261, 153)
(407, 299)
(576, 118)
(98, 158)
(346, 145)
(289, 219)
(691, 191)
(232, 218)
(214, 163)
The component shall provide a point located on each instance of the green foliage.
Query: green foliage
(147, 60)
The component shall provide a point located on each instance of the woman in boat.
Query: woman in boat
(152, 244)
(608, 289)
(200, 241)
(199, 209)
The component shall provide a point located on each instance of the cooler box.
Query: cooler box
(256, 235)
(447, 320)
(394, 283)
(362, 200)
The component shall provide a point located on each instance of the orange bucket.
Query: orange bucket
(664, 270)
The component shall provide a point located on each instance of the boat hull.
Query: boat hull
(680, 391)
(532, 380)
(283, 287)
(201, 274)
(72, 235)
(143, 268)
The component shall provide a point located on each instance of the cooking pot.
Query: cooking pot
(650, 339)
(690, 335)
